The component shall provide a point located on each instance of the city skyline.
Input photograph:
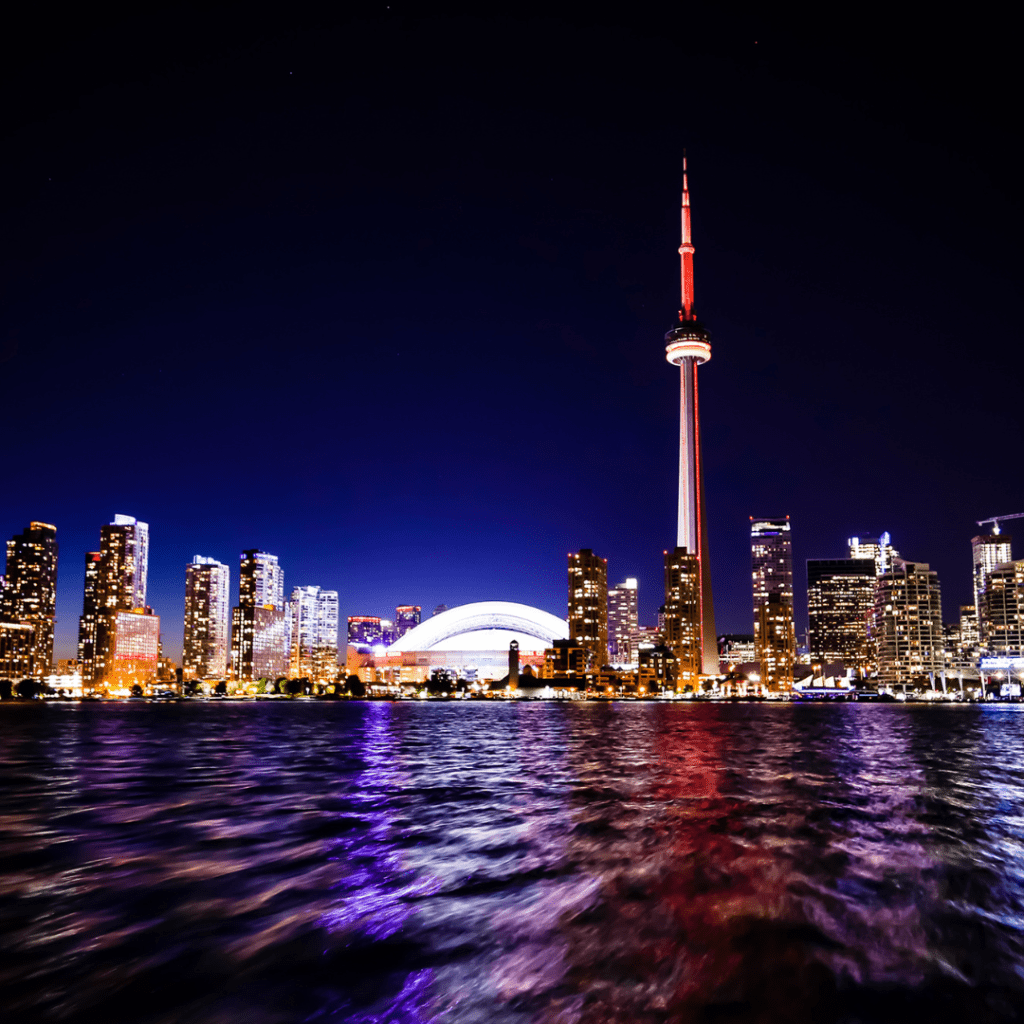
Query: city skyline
(216, 253)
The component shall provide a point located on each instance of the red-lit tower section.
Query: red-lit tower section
(687, 345)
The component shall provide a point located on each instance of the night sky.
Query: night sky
(384, 294)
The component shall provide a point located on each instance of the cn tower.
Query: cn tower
(687, 346)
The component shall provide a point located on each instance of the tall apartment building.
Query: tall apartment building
(588, 605)
(259, 623)
(113, 649)
(907, 623)
(840, 602)
(771, 554)
(28, 598)
(623, 620)
(207, 619)
(988, 551)
(407, 616)
(682, 625)
(314, 634)
(1002, 607)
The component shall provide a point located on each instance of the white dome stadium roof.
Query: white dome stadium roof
(484, 626)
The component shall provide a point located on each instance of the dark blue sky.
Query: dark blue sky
(386, 296)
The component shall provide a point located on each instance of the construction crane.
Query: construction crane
(996, 520)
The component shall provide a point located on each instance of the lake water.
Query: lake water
(533, 862)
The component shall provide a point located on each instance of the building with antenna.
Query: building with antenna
(688, 345)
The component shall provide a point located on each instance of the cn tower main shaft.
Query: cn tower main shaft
(687, 346)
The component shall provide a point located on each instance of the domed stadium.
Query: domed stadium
(477, 636)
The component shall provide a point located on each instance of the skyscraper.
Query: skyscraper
(116, 582)
(623, 620)
(771, 554)
(687, 345)
(259, 625)
(29, 595)
(987, 552)
(682, 616)
(314, 633)
(207, 619)
(840, 600)
(907, 622)
(588, 605)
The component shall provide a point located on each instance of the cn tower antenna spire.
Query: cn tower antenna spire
(686, 254)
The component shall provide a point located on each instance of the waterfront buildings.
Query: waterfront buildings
(207, 619)
(1002, 610)
(907, 623)
(314, 634)
(840, 601)
(28, 600)
(682, 629)
(688, 345)
(623, 620)
(588, 605)
(115, 650)
(259, 625)
(771, 553)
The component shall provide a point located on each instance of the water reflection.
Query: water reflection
(536, 862)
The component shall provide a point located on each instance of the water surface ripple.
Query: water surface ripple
(535, 862)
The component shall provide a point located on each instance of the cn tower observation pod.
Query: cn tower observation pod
(484, 626)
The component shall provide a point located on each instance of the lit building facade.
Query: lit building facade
(134, 648)
(840, 602)
(988, 551)
(877, 549)
(29, 594)
(688, 345)
(588, 605)
(907, 623)
(1003, 610)
(623, 621)
(771, 554)
(682, 623)
(259, 623)
(207, 619)
(314, 633)
(407, 616)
